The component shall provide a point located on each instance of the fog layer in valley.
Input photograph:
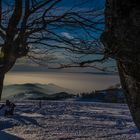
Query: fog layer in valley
(78, 82)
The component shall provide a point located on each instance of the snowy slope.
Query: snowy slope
(69, 120)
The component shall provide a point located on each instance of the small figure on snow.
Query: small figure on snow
(8, 108)
(40, 104)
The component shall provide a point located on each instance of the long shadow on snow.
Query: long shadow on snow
(7, 136)
(128, 132)
(99, 116)
(17, 120)
(25, 120)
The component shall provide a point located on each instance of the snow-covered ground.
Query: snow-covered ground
(69, 120)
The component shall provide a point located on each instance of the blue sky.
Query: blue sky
(69, 3)
(79, 5)
(98, 4)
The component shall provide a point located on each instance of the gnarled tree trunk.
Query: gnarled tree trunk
(131, 86)
(6, 63)
(122, 41)
(1, 83)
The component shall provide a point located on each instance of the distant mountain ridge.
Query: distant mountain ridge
(31, 90)
(35, 91)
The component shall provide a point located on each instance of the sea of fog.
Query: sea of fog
(78, 82)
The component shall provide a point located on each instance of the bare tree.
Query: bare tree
(121, 39)
(34, 26)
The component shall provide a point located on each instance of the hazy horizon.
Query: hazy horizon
(78, 82)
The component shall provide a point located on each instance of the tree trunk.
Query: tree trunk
(6, 63)
(1, 83)
(131, 86)
(122, 42)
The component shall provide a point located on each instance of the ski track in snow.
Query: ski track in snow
(68, 120)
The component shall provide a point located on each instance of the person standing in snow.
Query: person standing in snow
(40, 104)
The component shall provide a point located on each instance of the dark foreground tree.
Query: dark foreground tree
(122, 41)
(34, 25)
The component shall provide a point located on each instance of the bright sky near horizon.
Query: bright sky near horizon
(79, 82)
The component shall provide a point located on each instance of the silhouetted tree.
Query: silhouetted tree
(122, 42)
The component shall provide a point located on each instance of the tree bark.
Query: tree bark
(131, 86)
(122, 42)
(1, 83)
(6, 63)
